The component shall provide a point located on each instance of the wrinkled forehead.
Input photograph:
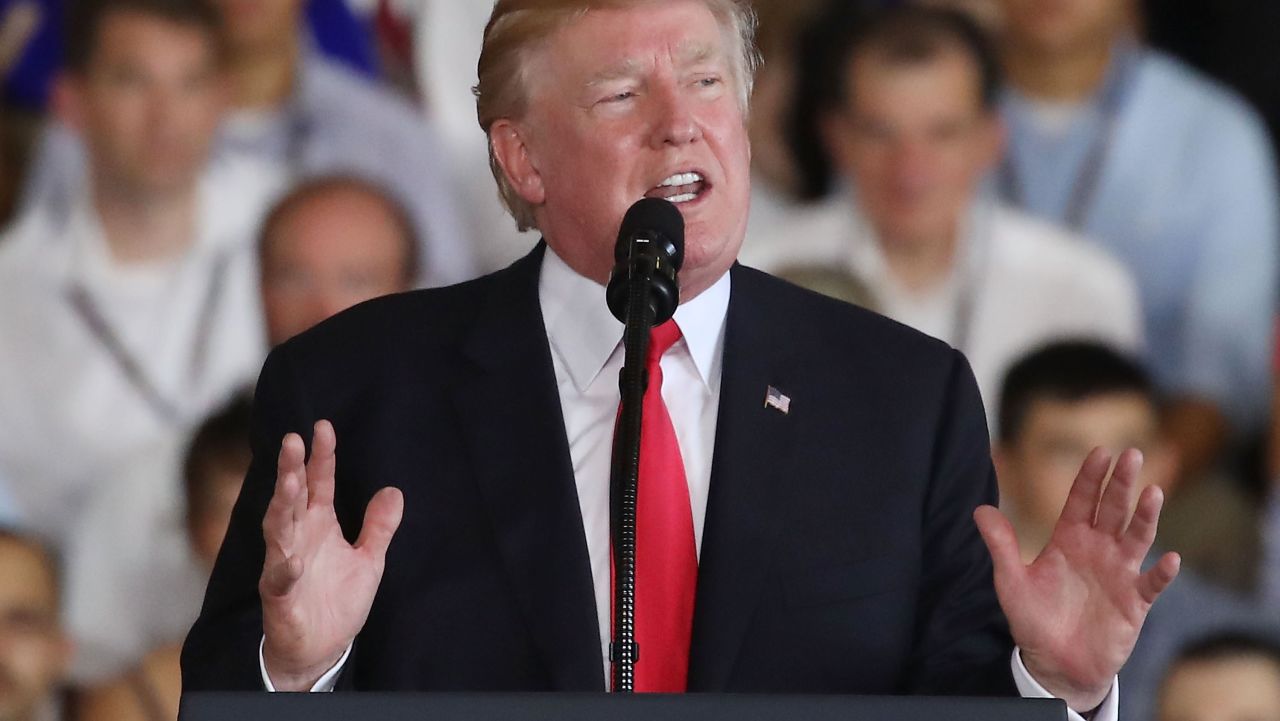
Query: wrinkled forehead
(600, 45)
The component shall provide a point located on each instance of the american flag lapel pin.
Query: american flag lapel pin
(775, 399)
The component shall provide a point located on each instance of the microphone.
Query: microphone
(642, 293)
(649, 252)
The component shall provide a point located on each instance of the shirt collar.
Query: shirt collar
(585, 335)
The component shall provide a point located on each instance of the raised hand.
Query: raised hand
(316, 588)
(1076, 611)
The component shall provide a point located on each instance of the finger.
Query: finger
(1152, 583)
(1117, 499)
(292, 456)
(381, 519)
(278, 579)
(1082, 500)
(997, 533)
(278, 524)
(1142, 529)
(323, 464)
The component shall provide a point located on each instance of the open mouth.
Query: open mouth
(680, 188)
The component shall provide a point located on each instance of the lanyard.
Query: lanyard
(90, 313)
(1084, 189)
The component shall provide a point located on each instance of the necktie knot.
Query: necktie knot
(661, 338)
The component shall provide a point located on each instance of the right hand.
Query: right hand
(316, 588)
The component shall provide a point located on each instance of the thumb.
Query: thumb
(1001, 541)
(381, 519)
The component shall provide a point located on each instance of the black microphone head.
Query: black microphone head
(658, 221)
(650, 251)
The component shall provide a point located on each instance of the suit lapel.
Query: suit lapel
(508, 402)
(751, 449)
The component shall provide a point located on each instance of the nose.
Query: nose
(675, 123)
(912, 164)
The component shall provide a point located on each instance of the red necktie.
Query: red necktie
(666, 557)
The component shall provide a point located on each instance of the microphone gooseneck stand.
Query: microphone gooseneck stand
(642, 293)
(624, 485)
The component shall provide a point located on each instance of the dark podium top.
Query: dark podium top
(216, 706)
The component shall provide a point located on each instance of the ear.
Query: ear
(67, 100)
(509, 141)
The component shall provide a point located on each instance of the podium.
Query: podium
(641, 707)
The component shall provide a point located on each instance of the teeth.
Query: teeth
(681, 179)
(682, 198)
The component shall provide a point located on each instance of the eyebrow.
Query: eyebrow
(690, 53)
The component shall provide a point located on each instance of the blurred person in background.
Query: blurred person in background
(447, 40)
(216, 462)
(34, 650)
(329, 244)
(1058, 403)
(309, 114)
(780, 141)
(1232, 40)
(1229, 676)
(136, 307)
(1174, 174)
(314, 116)
(912, 130)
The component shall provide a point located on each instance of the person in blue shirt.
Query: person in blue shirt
(1175, 175)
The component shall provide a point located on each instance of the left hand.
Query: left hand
(1076, 611)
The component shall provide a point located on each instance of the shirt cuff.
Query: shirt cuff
(1028, 687)
(324, 685)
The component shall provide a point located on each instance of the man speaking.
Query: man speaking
(822, 465)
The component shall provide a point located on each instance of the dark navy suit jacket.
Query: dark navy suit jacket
(839, 552)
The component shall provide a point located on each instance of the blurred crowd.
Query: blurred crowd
(1081, 195)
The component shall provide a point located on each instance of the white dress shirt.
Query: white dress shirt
(68, 412)
(586, 352)
(77, 437)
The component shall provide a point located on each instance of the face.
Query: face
(1061, 26)
(628, 103)
(33, 651)
(149, 105)
(331, 252)
(257, 25)
(210, 526)
(915, 140)
(1241, 689)
(1036, 471)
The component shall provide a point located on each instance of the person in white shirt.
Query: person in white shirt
(913, 129)
(130, 317)
(293, 107)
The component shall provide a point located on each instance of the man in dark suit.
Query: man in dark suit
(834, 459)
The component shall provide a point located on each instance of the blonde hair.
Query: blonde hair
(517, 27)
